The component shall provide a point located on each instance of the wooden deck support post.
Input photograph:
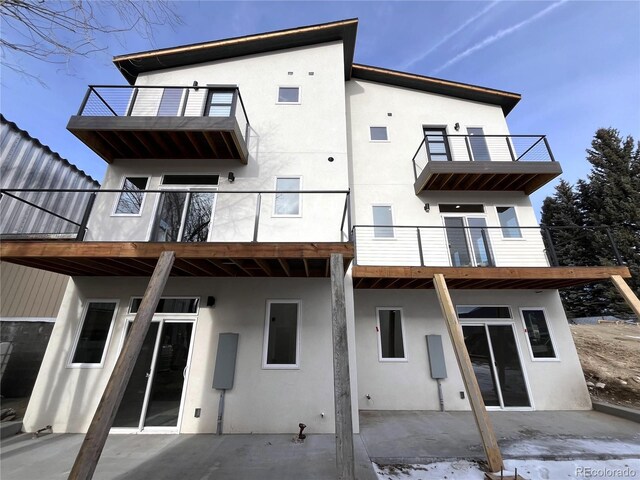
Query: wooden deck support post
(341, 379)
(485, 428)
(96, 437)
(628, 295)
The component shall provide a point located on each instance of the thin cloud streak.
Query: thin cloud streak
(502, 33)
(424, 55)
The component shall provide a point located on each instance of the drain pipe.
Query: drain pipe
(440, 397)
(220, 412)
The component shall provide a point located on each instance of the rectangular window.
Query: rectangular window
(130, 201)
(378, 134)
(289, 95)
(478, 144)
(219, 103)
(460, 208)
(391, 336)
(94, 333)
(509, 222)
(287, 204)
(540, 341)
(437, 144)
(382, 221)
(282, 333)
(170, 102)
(482, 311)
(169, 305)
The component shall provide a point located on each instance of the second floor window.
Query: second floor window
(287, 204)
(382, 221)
(219, 103)
(509, 222)
(289, 95)
(130, 201)
(378, 134)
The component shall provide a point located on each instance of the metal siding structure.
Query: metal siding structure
(27, 163)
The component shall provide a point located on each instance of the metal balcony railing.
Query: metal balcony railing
(438, 146)
(484, 246)
(221, 101)
(190, 215)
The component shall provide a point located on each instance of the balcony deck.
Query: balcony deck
(128, 259)
(370, 277)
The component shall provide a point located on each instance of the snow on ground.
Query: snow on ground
(530, 469)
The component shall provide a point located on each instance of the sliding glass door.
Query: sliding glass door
(468, 242)
(183, 217)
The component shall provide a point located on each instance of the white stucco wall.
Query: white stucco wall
(285, 140)
(554, 385)
(261, 401)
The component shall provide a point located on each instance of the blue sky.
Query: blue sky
(576, 64)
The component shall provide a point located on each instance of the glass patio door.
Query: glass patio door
(183, 217)
(468, 242)
(153, 397)
(497, 366)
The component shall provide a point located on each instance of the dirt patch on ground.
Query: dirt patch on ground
(610, 354)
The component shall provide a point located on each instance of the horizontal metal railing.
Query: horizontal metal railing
(489, 246)
(227, 216)
(165, 101)
(479, 148)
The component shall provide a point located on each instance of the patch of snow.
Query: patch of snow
(529, 469)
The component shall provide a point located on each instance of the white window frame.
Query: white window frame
(382, 359)
(107, 341)
(275, 189)
(386, 129)
(119, 195)
(467, 234)
(265, 343)
(192, 188)
(554, 344)
(393, 230)
(299, 102)
(519, 227)
(169, 297)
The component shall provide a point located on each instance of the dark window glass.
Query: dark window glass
(460, 208)
(170, 102)
(169, 305)
(130, 201)
(288, 95)
(391, 341)
(457, 241)
(283, 334)
(475, 339)
(437, 145)
(509, 222)
(94, 333)
(483, 312)
(478, 144)
(508, 367)
(190, 180)
(378, 133)
(538, 333)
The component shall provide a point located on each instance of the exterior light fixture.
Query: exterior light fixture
(427, 207)
(330, 159)
(457, 127)
(231, 177)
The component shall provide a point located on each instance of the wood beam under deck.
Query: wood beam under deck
(375, 277)
(303, 259)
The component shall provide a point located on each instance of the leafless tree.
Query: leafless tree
(56, 30)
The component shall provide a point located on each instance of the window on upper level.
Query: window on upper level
(478, 144)
(509, 222)
(130, 201)
(97, 323)
(287, 204)
(378, 134)
(390, 334)
(436, 142)
(288, 94)
(282, 334)
(170, 102)
(219, 103)
(382, 221)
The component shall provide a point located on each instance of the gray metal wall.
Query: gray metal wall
(26, 163)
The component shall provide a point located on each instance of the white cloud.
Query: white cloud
(501, 34)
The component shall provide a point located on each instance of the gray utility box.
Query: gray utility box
(436, 357)
(225, 361)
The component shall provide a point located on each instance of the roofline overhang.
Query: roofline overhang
(131, 65)
(506, 100)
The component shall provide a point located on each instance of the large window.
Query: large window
(282, 334)
(185, 216)
(170, 102)
(287, 204)
(478, 144)
(130, 201)
(382, 221)
(94, 333)
(538, 333)
(437, 145)
(509, 222)
(390, 334)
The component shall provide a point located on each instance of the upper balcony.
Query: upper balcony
(500, 163)
(163, 122)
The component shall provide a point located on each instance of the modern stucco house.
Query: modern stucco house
(254, 159)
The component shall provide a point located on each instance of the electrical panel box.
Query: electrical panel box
(225, 361)
(436, 357)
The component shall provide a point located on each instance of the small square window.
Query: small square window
(130, 201)
(538, 334)
(287, 204)
(94, 333)
(378, 134)
(391, 334)
(509, 222)
(289, 95)
(281, 335)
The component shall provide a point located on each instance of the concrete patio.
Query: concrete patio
(386, 437)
